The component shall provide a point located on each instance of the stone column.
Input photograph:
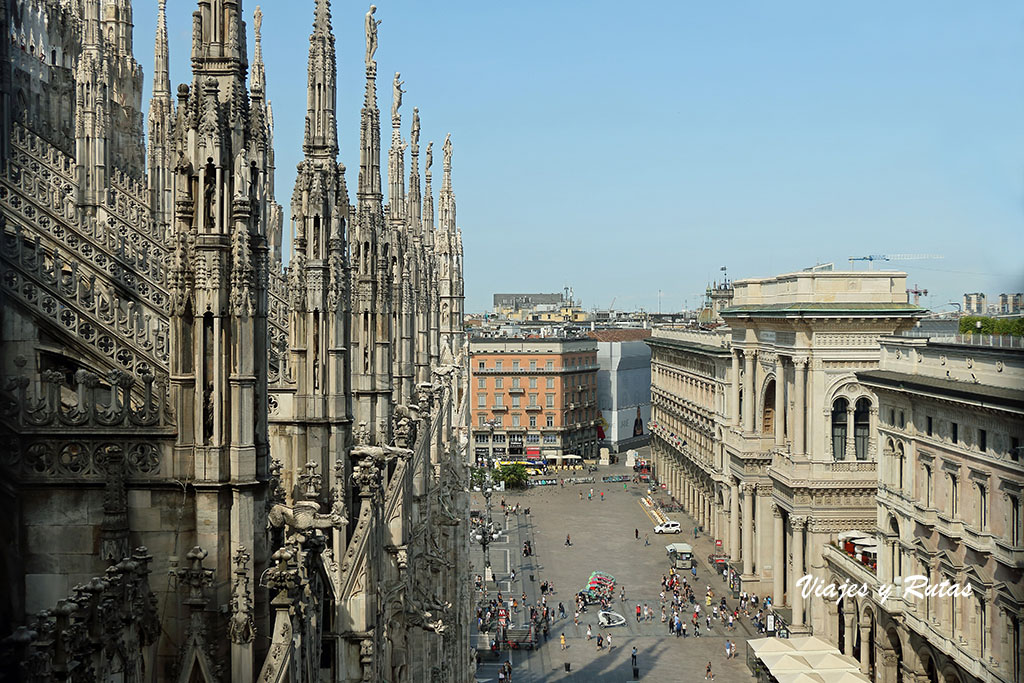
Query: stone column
(778, 566)
(799, 525)
(849, 624)
(749, 400)
(850, 449)
(865, 648)
(799, 419)
(734, 391)
(780, 404)
(748, 529)
(734, 520)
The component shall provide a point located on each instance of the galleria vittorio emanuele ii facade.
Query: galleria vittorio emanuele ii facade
(215, 468)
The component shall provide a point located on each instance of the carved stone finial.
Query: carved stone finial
(361, 435)
(195, 577)
(241, 627)
(309, 481)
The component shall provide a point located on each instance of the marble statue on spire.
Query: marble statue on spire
(396, 102)
(371, 34)
(430, 156)
(415, 136)
(447, 151)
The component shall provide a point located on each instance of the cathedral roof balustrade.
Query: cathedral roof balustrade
(133, 338)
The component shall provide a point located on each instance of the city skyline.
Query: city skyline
(703, 126)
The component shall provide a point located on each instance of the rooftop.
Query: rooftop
(619, 335)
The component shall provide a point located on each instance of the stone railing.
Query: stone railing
(42, 201)
(129, 335)
(715, 338)
(97, 634)
(858, 473)
(65, 433)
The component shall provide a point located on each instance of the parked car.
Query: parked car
(668, 528)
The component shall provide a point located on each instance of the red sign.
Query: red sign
(502, 616)
(532, 451)
(718, 543)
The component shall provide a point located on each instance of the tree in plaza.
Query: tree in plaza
(514, 475)
(969, 325)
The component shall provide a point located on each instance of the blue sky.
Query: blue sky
(624, 149)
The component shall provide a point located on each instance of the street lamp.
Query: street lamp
(485, 534)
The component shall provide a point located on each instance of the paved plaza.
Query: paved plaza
(603, 538)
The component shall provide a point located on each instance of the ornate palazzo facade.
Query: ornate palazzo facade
(762, 430)
(216, 468)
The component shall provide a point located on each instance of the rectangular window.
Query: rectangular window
(481, 383)
(482, 365)
(551, 383)
(549, 400)
(533, 421)
(515, 365)
(1014, 448)
(982, 440)
(499, 400)
(954, 432)
(954, 496)
(497, 423)
(533, 382)
(482, 438)
(499, 383)
(515, 401)
(982, 507)
(550, 438)
(515, 382)
(480, 420)
(515, 420)
(549, 420)
(1014, 521)
(533, 365)
(550, 365)
(497, 365)
(533, 399)
(903, 420)
(928, 425)
(892, 417)
(533, 438)
(481, 400)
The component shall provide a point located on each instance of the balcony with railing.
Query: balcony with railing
(789, 469)
(862, 567)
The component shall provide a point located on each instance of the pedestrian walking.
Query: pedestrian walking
(589, 632)
(636, 532)
(728, 650)
(608, 640)
(708, 675)
(684, 629)
(632, 657)
(581, 495)
(638, 613)
(600, 642)
(602, 496)
(563, 641)
(568, 540)
(623, 598)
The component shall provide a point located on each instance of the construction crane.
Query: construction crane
(917, 294)
(892, 257)
(611, 306)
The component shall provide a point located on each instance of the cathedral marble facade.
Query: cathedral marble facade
(218, 468)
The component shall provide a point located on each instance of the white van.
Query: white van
(668, 528)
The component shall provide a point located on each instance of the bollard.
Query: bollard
(567, 666)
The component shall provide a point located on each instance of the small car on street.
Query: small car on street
(668, 528)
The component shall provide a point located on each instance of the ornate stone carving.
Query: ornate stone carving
(241, 627)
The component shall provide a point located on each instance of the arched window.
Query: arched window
(768, 414)
(862, 428)
(900, 459)
(839, 429)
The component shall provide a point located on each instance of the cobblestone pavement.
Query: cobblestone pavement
(603, 539)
